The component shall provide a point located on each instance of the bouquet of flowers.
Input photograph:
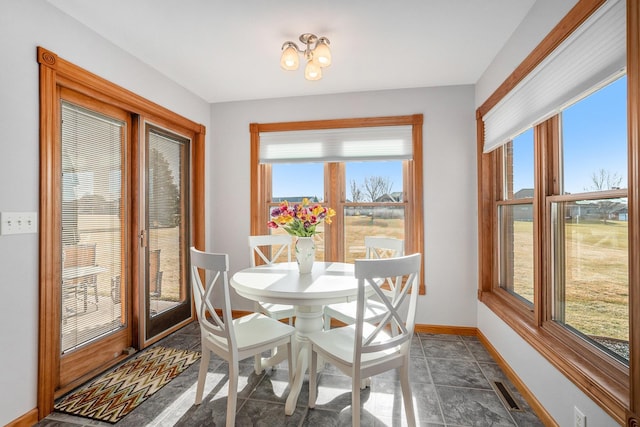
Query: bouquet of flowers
(300, 219)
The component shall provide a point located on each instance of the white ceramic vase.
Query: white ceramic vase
(305, 254)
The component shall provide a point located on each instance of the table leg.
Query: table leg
(267, 362)
(308, 319)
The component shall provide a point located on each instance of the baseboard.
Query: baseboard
(448, 330)
(537, 407)
(27, 420)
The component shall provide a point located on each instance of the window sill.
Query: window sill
(608, 388)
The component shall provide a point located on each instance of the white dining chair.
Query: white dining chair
(270, 248)
(375, 248)
(232, 340)
(365, 349)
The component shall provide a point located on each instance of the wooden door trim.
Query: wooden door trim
(56, 72)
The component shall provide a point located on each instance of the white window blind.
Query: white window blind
(91, 194)
(326, 145)
(590, 57)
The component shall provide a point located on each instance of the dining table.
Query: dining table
(282, 283)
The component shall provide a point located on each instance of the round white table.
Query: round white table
(328, 283)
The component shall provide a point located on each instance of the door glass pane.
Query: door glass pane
(167, 221)
(590, 277)
(91, 193)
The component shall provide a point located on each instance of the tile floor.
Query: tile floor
(451, 378)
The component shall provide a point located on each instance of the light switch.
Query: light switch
(18, 222)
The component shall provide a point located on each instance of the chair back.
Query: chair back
(383, 247)
(269, 248)
(209, 272)
(80, 255)
(373, 273)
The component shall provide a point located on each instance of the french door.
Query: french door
(95, 308)
(121, 200)
(124, 235)
(165, 237)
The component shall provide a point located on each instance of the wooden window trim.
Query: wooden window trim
(607, 383)
(261, 174)
(56, 73)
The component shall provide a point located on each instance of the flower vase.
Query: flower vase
(305, 254)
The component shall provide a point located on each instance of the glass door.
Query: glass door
(95, 326)
(166, 237)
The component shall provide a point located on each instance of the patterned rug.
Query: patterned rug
(116, 393)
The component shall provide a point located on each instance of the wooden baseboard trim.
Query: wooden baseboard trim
(27, 420)
(537, 407)
(448, 330)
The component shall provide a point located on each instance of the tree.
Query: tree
(164, 203)
(356, 192)
(377, 186)
(603, 180)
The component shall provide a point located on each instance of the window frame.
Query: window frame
(335, 196)
(606, 381)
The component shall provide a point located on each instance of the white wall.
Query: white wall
(542, 17)
(23, 26)
(449, 182)
(554, 391)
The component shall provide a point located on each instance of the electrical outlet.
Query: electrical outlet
(18, 222)
(580, 420)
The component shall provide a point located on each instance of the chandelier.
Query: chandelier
(316, 53)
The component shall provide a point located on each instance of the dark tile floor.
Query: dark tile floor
(451, 378)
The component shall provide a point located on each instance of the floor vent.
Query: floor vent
(506, 397)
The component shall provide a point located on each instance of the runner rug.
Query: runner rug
(116, 393)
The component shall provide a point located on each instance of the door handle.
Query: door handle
(143, 238)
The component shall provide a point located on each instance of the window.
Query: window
(368, 170)
(559, 127)
(374, 204)
(515, 217)
(589, 230)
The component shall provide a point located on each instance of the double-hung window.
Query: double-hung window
(368, 170)
(556, 187)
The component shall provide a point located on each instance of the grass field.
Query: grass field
(596, 275)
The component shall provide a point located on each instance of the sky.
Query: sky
(292, 180)
(594, 137)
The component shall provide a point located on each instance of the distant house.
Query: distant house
(523, 212)
(296, 199)
(396, 196)
(524, 193)
(613, 209)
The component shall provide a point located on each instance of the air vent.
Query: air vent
(506, 397)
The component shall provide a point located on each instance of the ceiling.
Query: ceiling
(229, 50)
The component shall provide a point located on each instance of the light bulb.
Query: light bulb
(322, 54)
(312, 71)
(289, 59)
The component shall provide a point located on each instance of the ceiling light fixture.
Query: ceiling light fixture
(316, 53)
